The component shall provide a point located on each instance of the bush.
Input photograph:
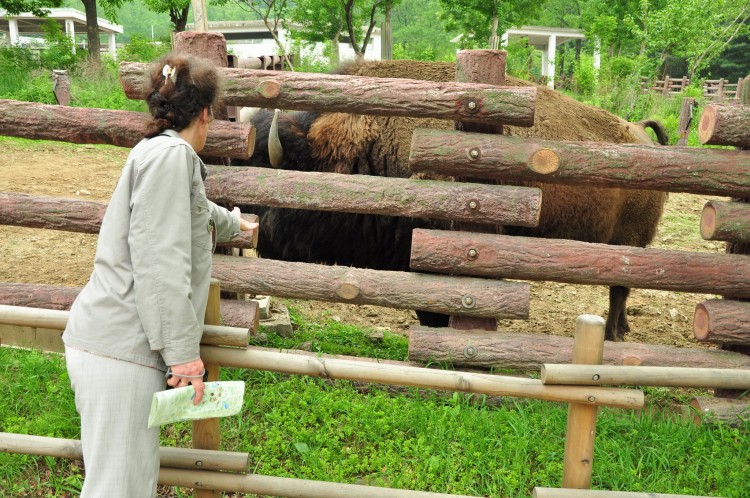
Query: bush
(60, 52)
(584, 77)
(141, 49)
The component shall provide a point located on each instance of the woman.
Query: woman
(141, 313)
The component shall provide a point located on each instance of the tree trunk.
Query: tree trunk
(574, 262)
(92, 29)
(179, 18)
(522, 351)
(335, 52)
(494, 41)
(386, 39)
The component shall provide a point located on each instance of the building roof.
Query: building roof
(29, 24)
(538, 36)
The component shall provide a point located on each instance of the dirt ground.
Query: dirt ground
(91, 172)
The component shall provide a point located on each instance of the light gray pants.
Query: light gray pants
(113, 397)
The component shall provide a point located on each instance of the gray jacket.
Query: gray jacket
(146, 299)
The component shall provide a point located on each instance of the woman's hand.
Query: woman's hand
(185, 374)
(244, 224)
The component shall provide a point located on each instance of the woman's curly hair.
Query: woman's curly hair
(179, 87)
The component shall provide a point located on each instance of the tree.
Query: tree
(177, 9)
(465, 16)
(321, 21)
(36, 7)
(272, 13)
(359, 13)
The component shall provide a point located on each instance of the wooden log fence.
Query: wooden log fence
(55, 320)
(616, 375)
(181, 458)
(364, 371)
(725, 125)
(722, 321)
(102, 126)
(574, 262)
(469, 102)
(529, 351)
(375, 195)
(234, 313)
(75, 215)
(673, 169)
(402, 290)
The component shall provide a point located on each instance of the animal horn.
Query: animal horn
(275, 150)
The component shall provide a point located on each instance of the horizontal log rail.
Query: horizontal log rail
(469, 102)
(367, 371)
(182, 458)
(234, 313)
(574, 262)
(632, 166)
(375, 195)
(723, 124)
(594, 493)
(735, 412)
(616, 375)
(728, 221)
(393, 289)
(81, 125)
(75, 215)
(524, 351)
(722, 321)
(217, 335)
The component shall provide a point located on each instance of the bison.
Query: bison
(367, 145)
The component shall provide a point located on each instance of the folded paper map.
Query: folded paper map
(220, 399)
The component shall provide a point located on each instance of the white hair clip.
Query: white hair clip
(169, 72)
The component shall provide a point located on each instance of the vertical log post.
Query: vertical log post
(206, 434)
(61, 86)
(686, 118)
(588, 349)
(667, 81)
(200, 15)
(478, 66)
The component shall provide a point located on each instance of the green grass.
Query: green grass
(311, 428)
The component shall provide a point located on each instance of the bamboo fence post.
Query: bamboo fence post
(206, 433)
(588, 349)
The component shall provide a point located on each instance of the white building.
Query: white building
(252, 39)
(23, 29)
(547, 40)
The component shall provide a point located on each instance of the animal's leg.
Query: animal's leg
(617, 321)
(432, 319)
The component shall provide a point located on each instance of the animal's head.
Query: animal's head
(308, 141)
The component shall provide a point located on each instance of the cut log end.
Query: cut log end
(707, 125)
(269, 89)
(544, 161)
(708, 221)
(701, 322)
(347, 291)
(251, 141)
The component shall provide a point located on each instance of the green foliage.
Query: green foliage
(522, 60)
(60, 52)
(37, 7)
(142, 49)
(464, 17)
(584, 77)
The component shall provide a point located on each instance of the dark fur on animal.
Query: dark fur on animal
(344, 143)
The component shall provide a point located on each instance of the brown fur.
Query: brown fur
(610, 216)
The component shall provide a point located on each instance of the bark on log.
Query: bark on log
(725, 125)
(686, 119)
(102, 126)
(735, 412)
(632, 166)
(574, 262)
(73, 215)
(521, 351)
(244, 314)
(363, 95)
(722, 321)
(729, 221)
(404, 290)
(375, 195)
